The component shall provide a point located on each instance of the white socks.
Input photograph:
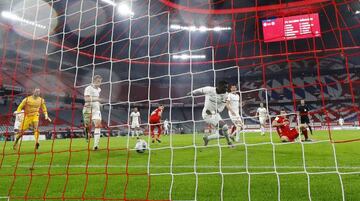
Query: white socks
(96, 137)
(262, 130)
(135, 132)
(237, 135)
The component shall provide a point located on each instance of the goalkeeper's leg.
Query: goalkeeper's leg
(23, 127)
(36, 134)
(17, 138)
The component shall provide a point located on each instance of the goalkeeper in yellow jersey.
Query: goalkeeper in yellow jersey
(31, 106)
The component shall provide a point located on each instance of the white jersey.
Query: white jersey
(141, 145)
(213, 102)
(92, 107)
(135, 117)
(341, 121)
(94, 93)
(262, 112)
(166, 124)
(234, 100)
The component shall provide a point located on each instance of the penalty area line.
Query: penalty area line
(177, 166)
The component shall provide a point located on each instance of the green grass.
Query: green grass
(116, 173)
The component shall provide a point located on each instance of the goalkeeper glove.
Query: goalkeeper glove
(47, 118)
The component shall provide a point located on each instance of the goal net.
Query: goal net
(156, 52)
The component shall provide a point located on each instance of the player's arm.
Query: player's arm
(44, 109)
(228, 106)
(160, 113)
(88, 98)
(129, 119)
(298, 111)
(203, 90)
(21, 106)
(276, 123)
(153, 112)
(308, 109)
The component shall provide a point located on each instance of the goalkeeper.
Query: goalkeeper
(30, 106)
(215, 102)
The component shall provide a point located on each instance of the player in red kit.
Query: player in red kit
(282, 125)
(154, 121)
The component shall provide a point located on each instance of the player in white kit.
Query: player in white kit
(91, 110)
(135, 122)
(140, 145)
(233, 106)
(215, 101)
(341, 122)
(166, 127)
(262, 113)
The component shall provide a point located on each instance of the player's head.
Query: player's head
(302, 102)
(233, 88)
(222, 87)
(135, 109)
(261, 104)
(36, 92)
(97, 80)
(282, 112)
(161, 107)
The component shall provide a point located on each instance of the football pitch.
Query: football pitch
(255, 169)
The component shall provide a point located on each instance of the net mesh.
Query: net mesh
(60, 45)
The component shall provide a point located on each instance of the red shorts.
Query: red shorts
(154, 120)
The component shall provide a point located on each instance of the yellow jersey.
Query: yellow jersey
(31, 106)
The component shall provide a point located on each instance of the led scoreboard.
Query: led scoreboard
(291, 28)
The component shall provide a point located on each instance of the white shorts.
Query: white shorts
(236, 119)
(19, 118)
(94, 112)
(262, 120)
(212, 119)
(17, 125)
(135, 125)
(96, 115)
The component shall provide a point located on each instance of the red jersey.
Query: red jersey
(156, 116)
(285, 130)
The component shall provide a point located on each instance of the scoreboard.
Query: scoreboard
(291, 28)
